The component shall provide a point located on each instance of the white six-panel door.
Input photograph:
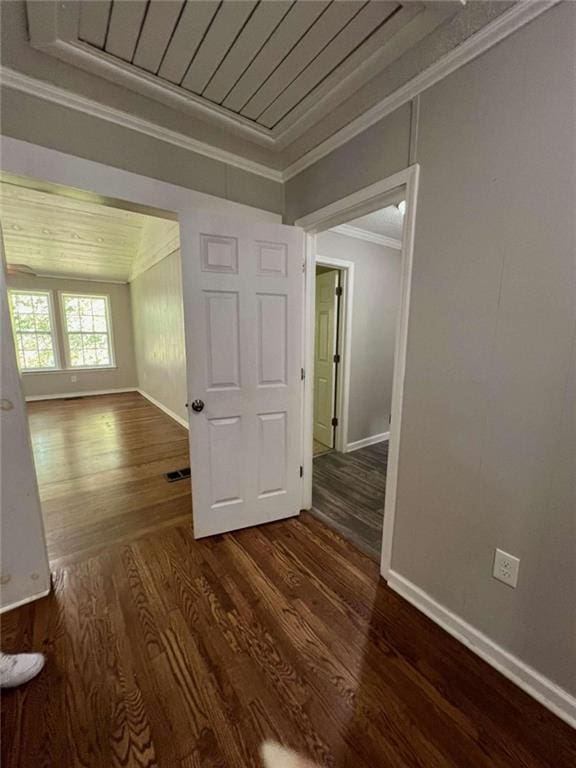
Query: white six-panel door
(324, 350)
(243, 293)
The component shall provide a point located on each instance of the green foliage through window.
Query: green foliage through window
(87, 330)
(33, 332)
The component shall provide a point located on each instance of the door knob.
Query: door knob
(198, 405)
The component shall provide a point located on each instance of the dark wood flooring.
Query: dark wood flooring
(348, 494)
(166, 651)
(100, 464)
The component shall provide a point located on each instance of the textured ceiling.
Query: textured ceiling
(57, 235)
(387, 221)
(258, 60)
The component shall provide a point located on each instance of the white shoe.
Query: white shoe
(19, 668)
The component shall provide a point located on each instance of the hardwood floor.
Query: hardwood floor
(99, 462)
(166, 651)
(348, 495)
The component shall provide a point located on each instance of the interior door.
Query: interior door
(324, 351)
(243, 303)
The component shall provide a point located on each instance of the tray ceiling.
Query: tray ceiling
(266, 69)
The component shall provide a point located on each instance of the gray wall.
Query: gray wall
(488, 445)
(122, 376)
(376, 297)
(376, 153)
(159, 334)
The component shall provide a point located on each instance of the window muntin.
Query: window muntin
(33, 322)
(88, 330)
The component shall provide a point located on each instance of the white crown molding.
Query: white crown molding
(12, 79)
(551, 695)
(365, 234)
(504, 25)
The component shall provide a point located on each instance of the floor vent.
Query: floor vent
(177, 474)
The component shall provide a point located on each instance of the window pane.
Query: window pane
(33, 331)
(88, 334)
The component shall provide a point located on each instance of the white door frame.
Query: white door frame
(359, 204)
(344, 345)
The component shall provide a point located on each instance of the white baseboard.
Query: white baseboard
(554, 698)
(167, 411)
(64, 395)
(25, 601)
(372, 440)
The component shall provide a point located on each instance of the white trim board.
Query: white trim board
(554, 698)
(10, 78)
(507, 23)
(68, 395)
(365, 234)
(162, 407)
(26, 600)
(365, 442)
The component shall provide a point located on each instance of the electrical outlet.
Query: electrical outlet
(73, 378)
(506, 568)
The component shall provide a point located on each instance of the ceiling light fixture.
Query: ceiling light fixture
(402, 207)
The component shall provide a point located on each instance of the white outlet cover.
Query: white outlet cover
(506, 568)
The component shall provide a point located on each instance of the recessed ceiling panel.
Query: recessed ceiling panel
(261, 67)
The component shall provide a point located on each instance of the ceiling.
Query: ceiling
(268, 69)
(387, 222)
(61, 236)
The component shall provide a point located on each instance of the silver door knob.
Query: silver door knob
(198, 405)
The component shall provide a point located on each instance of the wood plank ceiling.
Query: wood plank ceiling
(259, 60)
(59, 236)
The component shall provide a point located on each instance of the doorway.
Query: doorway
(327, 357)
(346, 217)
(96, 305)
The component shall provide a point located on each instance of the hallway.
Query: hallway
(348, 495)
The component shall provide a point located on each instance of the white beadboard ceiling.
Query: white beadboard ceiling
(256, 59)
(58, 235)
(264, 68)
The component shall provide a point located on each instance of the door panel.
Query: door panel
(243, 296)
(325, 348)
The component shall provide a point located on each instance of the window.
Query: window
(87, 330)
(33, 323)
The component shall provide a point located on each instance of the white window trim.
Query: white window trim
(53, 329)
(73, 294)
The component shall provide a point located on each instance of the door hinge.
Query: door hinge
(304, 266)
(339, 291)
(302, 374)
(336, 358)
(301, 471)
(334, 422)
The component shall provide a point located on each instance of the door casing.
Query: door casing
(352, 206)
(344, 349)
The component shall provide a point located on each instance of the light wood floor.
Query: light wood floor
(99, 462)
(166, 651)
(348, 494)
